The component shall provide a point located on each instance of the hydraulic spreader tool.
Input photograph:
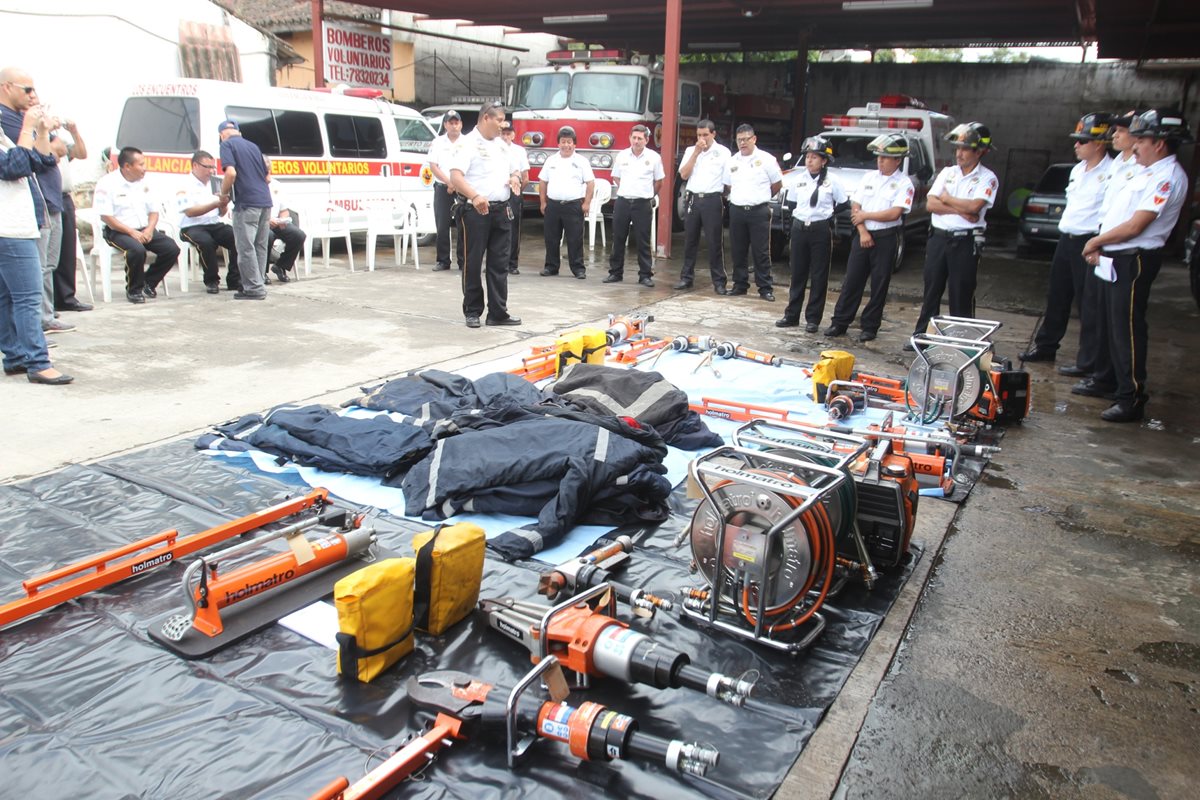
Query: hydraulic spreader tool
(466, 706)
(596, 567)
(140, 557)
(593, 644)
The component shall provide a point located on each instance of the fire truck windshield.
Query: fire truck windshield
(588, 91)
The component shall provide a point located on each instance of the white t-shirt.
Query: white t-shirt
(1085, 196)
(879, 192)
(566, 178)
(708, 173)
(978, 184)
(485, 163)
(1159, 188)
(750, 178)
(637, 174)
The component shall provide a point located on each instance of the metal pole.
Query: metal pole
(318, 43)
(670, 125)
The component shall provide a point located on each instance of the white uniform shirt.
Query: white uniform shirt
(131, 203)
(879, 192)
(829, 194)
(440, 151)
(708, 173)
(485, 163)
(518, 160)
(1123, 168)
(194, 192)
(566, 178)
(1085, 196)
(1159, 188)
(750, 178)
(978, 184)
(637, 174)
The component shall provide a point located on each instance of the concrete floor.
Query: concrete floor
(1053, 648)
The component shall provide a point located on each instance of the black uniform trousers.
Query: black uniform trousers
(704, 211)
(564, 218)
(517, 204)
(442, 201)
(1121, 355)
(876, 263)
(486, 235)
(953, 260)
(293, 239)
(633, 213)
(64, 270)
(166, 254)
(1068, 274)
(750, 227)
(207, 239)
(811, 246)
(1091, 312)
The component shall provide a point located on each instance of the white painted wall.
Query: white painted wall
(84, 55)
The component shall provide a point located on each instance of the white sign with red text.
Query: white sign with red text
(356, 57)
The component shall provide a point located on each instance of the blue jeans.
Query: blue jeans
(21, 339)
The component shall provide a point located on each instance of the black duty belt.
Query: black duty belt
(1080, 235)
(963, 234)
(636, 199)
(564, 202)
(702, 195)
(1137, 251)
(811, 224)
(749, 208)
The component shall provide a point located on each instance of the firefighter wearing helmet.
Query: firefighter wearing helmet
(812, 197)
(958, 202)
(1080, 221)
(1128, 253)
(877, 209)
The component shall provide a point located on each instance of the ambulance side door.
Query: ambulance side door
(359, 168)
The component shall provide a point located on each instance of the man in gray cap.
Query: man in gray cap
(440, 152)
(245, 182)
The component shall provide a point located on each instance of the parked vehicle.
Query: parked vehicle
(467, 108)
(850, 134)
(1043, 209)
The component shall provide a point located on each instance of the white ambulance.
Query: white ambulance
(335, 148)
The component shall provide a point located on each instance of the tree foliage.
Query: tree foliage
(928, 54)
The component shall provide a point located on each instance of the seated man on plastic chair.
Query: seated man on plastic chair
(283, 229)
(200, 224)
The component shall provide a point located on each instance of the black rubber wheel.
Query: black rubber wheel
(901, 250)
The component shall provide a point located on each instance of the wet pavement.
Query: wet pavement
(1054, 652)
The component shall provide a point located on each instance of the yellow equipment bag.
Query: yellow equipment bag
(449, 571)
(835, 365)
(584, 346)
(375, 617)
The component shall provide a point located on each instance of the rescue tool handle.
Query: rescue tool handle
(99, 562)
(512, 701)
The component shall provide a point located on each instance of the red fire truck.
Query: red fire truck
(602, 94)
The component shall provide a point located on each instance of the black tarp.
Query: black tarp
(90, 707)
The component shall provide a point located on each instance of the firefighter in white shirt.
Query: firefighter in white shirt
(753, 179)
(958, 202)
(565, 188)
(637, 175)
(703, 167)
(440, 152)
(877, 210)
(482, 174)
(520, 163)
(1127, 255)
(813, 199)
(200, 223)
(1080, 221)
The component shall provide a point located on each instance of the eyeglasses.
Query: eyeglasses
(207, 166)
(27, 89)
(745, 139)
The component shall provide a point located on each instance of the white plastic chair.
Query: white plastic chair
(86, 266)
(101, 251)
(601, 194)
(331, 222)
(384, 219)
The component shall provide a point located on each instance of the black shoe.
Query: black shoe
(735, 292)
(212, 288)
(15, 370)
(811, 327)
(580, 275)
(514, 271)
(547, 272)
(441, 267)
(135, 297)
(683, 285)
(267, 280)
(647, 282)
(768, 295)
(36, 377)
(245, 296)
(74, 305)
(1072, 371)
(472, 322)
(908, 347)
(1125, 412)
(283, 278)
(867, 336)
(787, 323)
(610, 278)
(1089, 388)
(149, 291)
(721, 290)
(1036, 353)
(505, 321)
(835, 330)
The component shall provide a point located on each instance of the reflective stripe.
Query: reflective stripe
(601, 453)
(434, 466)
(1137, 389)
(423, 417)
(533, 537)
(639, 406)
